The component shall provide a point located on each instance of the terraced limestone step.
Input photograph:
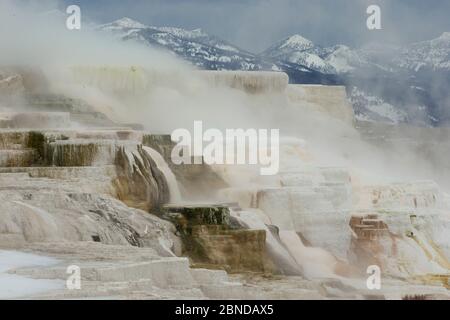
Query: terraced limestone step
(159, 272)
(248, 81)
(80, 111)
(16, 158)
(35, 120)
(17, 139)
(64, 173)
(208, 277)
(211, 239)
(81, 152)
(400, 196)
(163, 273)
(331, 100)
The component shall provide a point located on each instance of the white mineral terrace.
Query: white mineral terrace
(94, 194)
(137, 80)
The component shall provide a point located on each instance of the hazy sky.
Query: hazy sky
(256, 24)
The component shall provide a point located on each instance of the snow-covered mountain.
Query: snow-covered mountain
(344, 59)
(299, 50)
(209, 52)
(294, 53)
(337, 59)
(385, 83)
(395, 84)
(433, 54)
(203, 50)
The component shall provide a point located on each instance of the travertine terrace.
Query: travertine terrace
(81, 188)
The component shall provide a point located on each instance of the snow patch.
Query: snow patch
(14, 286)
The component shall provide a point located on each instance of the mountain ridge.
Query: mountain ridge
(377, 77)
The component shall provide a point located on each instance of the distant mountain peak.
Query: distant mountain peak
(126, 22)
(430, 54)
(298, 50)
(445, 36)
(183, 33)
(296, 42)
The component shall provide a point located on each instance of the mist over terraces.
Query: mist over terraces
(78, 185)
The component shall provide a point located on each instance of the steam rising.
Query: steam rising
(133, 83)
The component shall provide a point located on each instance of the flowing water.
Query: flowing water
(279, 253)
(175, 195)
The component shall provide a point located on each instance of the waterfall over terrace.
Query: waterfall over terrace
(175, 195)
